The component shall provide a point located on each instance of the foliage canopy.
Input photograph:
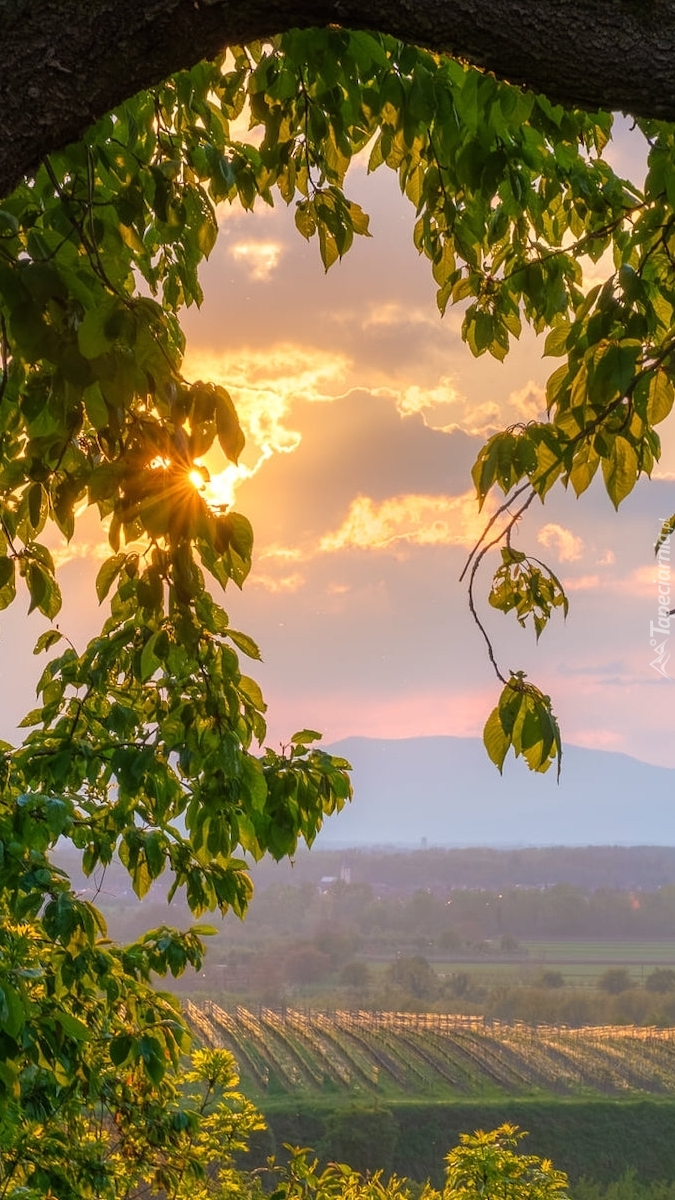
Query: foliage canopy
(141, 744)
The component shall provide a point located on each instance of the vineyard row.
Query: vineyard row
(433, 1054)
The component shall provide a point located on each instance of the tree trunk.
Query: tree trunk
(63, 63)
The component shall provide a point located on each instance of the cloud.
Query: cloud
(583, 583)
(358, 445)
(395, 313)
(446, 407)
(415, 519)
(277, 583)
(595, 273)
(415, 399)
(285, 553)
(569, 547)
(643, 582)
(260, 258)
(81, 551)
(529, 401)
(263, 385)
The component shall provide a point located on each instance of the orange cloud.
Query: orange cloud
(394, 313)
(583, 583)
(263, 385)
(529, 401)
(416, 399)
(568, 546)
(261, 258)
(415, 519)
(276, 583)
(643, 581)
(77, 551)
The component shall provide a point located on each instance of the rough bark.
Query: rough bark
(63, 63)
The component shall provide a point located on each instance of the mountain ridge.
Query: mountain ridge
(444, 791)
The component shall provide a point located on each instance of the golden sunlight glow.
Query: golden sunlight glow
(264, 384)
(197, 479)
(220, 490)
(415, 519)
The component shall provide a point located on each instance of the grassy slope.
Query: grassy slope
(598, 1139)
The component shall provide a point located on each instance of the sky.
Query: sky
(364, 412)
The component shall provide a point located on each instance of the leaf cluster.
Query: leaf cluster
(523, 721)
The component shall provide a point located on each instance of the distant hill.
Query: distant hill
(443, 791)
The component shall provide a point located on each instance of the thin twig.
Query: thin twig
(515, 517)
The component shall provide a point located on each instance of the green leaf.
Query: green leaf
(74, 1027)
(121, 1048)
(44, 591)
(661, 396)
(245, 643)
(46, 640)
(108, 574)
(154, 847)
(524, 722)
(150, 662)
(495, 740)
(13, 1015)
(305, 736)
(556, 342)
(230, 434)
(151, 1053)
(620, 470)
(7, 581)
(92, 336)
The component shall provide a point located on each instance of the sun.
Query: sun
(218, 489)
(197, 479)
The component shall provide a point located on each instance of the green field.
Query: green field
(580, 961)
(650, 954)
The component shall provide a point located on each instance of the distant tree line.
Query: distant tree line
(458, 919)
(621, 868)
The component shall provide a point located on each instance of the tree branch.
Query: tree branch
(63, 63)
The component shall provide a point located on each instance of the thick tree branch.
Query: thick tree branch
(63, 63)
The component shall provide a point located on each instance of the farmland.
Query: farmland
(433, 1055)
